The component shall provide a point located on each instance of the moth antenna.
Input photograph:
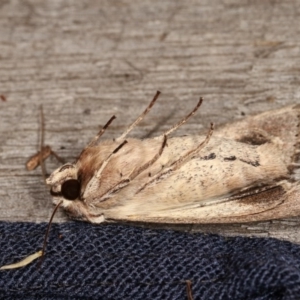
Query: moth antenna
(44, 152)
(179, 162)
(124, 182)
(47, 232)
(189, 292)
(57, 157)
(42, 129)
(140, 118)
(184, 120)
(106, 161)
(100, 133)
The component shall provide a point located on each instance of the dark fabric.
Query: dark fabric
(124, 262)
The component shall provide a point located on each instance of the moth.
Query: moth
(241, 172)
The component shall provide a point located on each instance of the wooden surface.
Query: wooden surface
(87, 60)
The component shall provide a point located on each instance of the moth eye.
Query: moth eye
(70, 189)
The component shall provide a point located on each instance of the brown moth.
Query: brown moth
(242, 172)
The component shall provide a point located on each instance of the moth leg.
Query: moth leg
(100, 133)
(180, 161)
(138, 171)
(34, 161)
(98, 174)
(139, 119)
(153, 160)
(184, 120)
(149, 163)
(44, 152)
(61, 160)
(189, 290)
(106, 161)
(124, 182)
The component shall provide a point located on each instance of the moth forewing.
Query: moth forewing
(243, 172)
(205, 179)
(280, 127)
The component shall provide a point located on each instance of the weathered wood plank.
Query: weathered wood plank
(86, 60)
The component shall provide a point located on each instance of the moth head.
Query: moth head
(64, 184)
(67, 188)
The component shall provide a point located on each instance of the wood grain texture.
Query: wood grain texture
(87, 60)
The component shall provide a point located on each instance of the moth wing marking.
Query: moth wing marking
(273, 203)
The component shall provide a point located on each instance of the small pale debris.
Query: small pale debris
(24, 262)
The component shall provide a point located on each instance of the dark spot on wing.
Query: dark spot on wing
(230, 158)
(254, 138)
(252, 163)
(209, 157)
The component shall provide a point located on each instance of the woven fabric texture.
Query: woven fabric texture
(84, 261)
